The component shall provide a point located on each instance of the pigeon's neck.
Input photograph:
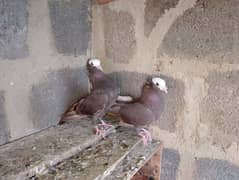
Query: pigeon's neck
(100, 80)
(96, 75)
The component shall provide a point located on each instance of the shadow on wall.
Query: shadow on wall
(53, 95)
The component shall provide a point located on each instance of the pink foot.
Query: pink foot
(99, 132)
(146, 136)
(101, 128)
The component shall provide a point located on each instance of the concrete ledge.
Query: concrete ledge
(73, 151)
(119, 156)
(33, 154)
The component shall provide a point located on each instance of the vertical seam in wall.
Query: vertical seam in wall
(91, 27)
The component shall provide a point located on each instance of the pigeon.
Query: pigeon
(97, 80)
(103, 94)
(146, 109)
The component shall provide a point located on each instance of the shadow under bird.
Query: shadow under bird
(103, 95)
(146, 109)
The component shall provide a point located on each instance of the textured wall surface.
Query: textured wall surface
(215, 169)
(43, 50)
(4, 130)
(194, 45)
(220, 107)
(210, 28)
(120, 42)
(170, 163)
(71, 26)
(51, 97)
(154, 9)
(13, 29)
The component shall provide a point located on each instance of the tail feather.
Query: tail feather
(71, 113)
(124, 99)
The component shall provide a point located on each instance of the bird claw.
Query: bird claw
(101, 129)
(100, 132)
(146, 136)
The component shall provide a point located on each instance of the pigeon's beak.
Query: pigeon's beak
(165, 90)
(99, 67)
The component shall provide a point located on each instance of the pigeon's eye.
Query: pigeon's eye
(92, 63)
(157, 84)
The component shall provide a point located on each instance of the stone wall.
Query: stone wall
(44, 45)
(194, 45)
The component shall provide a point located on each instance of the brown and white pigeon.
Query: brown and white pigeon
(146, 109)
(104, 93)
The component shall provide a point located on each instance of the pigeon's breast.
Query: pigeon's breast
(136, 114)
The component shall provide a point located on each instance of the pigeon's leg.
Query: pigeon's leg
(146, 136)
(99, 132)
(102, 128)
(105, 125)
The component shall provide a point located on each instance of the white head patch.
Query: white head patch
(95, 62)
(160, 83)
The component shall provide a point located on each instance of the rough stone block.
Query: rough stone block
(71, 25)
(174, 104)
(13, 29)
(4, 129)
(220, 108)
(170, 163)
(50, 98)
(154, 9)
(131, 84)
(207, 32)
(213, 169)
(119, 32)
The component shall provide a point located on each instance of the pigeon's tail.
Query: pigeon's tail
(71, 114)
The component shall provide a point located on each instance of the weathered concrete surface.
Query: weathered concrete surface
(51, 97)
(72, 151)
(208, 32)
(13, 29)
(170, 164)
(154, 9)
(71, 25)
(22, 158)
(151, 170)
(95, 160)
(213, 169)
(117, 157)
(119, 33)
(130, 83)
(220, 108)
(4, 129)
(174, 104)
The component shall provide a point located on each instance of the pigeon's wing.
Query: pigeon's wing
(93, 102)
(136, 114)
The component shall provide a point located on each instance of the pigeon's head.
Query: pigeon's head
(160, 84)
(94, 64)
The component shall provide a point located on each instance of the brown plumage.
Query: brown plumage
(147, 108)
(103, 95)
